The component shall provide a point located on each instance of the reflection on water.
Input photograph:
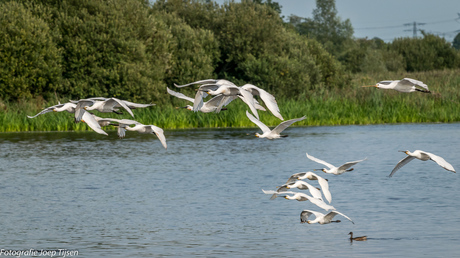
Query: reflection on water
(202, 196)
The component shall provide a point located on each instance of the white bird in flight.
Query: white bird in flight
(105, 106)
(333, 169)
(312, 176)
(70, 108)
(404, 85)
(300, 197)
(422, 155)
(275, 133)
(221, 87)
(146, 129)
(302, 185)
(207, 107)
(320, 217)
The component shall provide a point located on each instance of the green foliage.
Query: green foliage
(428, 53)
(326, 27)
(371, 56)
(456, 42)
(30, 62)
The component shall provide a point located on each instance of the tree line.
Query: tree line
(134, 49)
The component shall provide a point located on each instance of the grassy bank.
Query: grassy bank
(354, 105)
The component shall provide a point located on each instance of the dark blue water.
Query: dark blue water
(202, 197)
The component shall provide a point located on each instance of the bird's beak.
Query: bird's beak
(257, 136)
(181, 107)
(370, 86)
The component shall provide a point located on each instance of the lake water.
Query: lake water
(202, 196)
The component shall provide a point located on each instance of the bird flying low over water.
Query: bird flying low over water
(424, 156)
(404, 85)
(105, 106)
(333, 169)
(312, 176)
(207, 107)
(320, 217)
(275, 133)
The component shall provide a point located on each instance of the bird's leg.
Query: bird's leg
(351, 169)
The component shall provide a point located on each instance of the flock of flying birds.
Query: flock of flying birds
(224, 92)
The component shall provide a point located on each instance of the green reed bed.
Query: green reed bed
(353, 105)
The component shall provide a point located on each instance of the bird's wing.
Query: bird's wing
(249, 100)
(332, 214)
(179, 95)
(267, 98)
(416, 83)
(79, 111)
(136, 105)
(114, 101)
(121, 131)
(160, 134)
(207, 81)
(198, 101)
(256, 121)
(222, 102)
(325, 188)
(320, 161)
(401, 163)
(47, 110)
(216, 100)
(294, 177)
(313, 190)
(307, 213)
(92, 123)
(350, 164)
(320, 203)
(441, 162)
(283, 125)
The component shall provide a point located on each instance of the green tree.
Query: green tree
(456, 42)
(325, 26)
(30, 63)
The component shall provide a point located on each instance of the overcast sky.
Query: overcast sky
(386, 18)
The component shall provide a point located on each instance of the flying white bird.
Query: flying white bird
(144, 129)
(404, 85)
(320, 217)
(422, 155)
(312, 176)
(207, 107)
(300, 197)
(221, 87)
(105, 106)
(302, 185)
(333, 169)
(69, 107)
(275, 133)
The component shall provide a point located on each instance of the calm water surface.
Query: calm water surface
(202, 197)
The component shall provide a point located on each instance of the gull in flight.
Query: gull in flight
(422, 155)
(404, 85)
(312, 176)
(301, 197)
(320, 217)
(333, 169)
(275, 133)
(105, 106)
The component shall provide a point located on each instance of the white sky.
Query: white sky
(386, 18)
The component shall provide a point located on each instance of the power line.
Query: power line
(414, 27)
